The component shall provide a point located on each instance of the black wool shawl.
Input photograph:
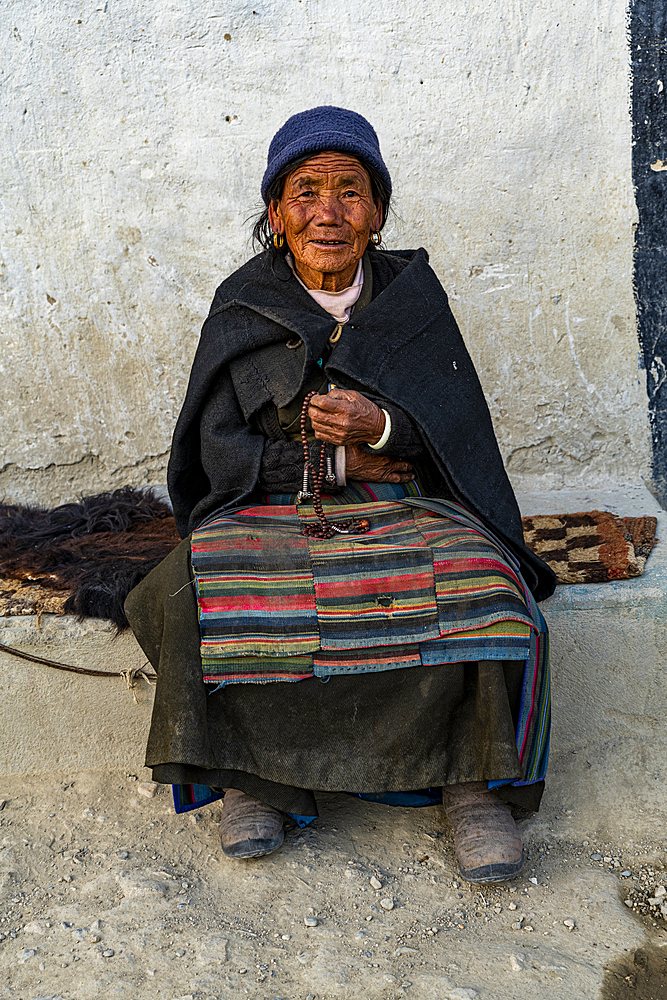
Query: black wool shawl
(404, 346)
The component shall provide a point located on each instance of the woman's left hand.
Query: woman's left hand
(344, 416)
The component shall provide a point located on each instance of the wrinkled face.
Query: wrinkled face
(326, 213)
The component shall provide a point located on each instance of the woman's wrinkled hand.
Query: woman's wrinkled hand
(344, 416)
(375, 468)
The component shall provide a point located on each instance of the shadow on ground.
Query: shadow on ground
(639, 976)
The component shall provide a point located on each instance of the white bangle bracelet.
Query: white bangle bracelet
(385, 433)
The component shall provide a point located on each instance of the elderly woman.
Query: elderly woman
(349, 528)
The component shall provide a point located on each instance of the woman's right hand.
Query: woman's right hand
(360, 465)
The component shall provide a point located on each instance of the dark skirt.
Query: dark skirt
(396, 730)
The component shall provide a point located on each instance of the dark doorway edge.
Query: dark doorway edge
(648, 52)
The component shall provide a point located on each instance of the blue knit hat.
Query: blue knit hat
(317, 131)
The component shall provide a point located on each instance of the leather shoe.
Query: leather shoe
(249, 828)
(487, 842)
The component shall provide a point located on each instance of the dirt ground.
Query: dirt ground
(105, 892)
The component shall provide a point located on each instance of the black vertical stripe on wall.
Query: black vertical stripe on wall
(648, 44)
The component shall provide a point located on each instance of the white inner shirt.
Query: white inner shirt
(337, 304)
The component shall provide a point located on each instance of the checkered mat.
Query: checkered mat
(593, 546)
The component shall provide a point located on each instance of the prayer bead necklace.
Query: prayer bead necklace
(325, 529)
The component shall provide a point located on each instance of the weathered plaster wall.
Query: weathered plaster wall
(133, 138)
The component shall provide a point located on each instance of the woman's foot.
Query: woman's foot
(249, 828)
(487, 842)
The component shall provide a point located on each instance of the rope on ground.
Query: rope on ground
(130, 676)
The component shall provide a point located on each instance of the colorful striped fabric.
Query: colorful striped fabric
(188, 797)
(417, 588)
(533, 732)
(427, 585)
(255, 585)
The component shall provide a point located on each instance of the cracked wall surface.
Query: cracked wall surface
(133, 140)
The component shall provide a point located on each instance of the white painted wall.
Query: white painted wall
(133, 139)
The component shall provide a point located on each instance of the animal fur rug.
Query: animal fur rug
(84, 558)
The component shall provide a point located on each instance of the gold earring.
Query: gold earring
(278, 240)
(376, 238)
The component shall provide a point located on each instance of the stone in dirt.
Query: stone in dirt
(147, 788)
(375, 882)
(213, 951)
(462, 993)
(310, 921)
(28, 953)
(134, 887)
(36, 927)
(516, 963)
(387, 904)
